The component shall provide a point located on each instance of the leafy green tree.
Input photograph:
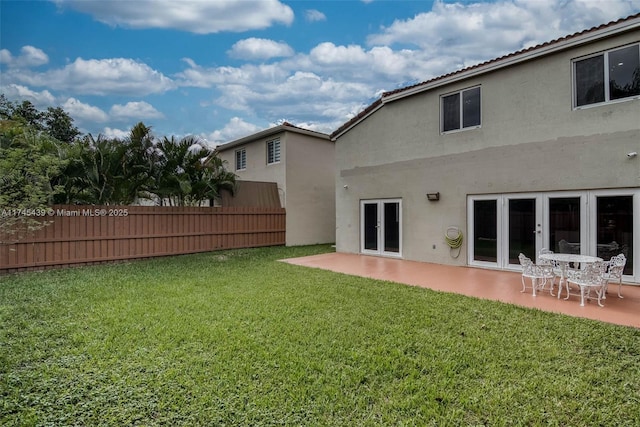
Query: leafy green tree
(6, 107)
(59, 124)
(28, 113)
(26, 172)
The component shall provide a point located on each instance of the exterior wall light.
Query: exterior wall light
(433, 197)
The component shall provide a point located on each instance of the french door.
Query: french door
(600, 223)
(381, 227)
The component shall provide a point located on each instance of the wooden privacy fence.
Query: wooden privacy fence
(96, 234)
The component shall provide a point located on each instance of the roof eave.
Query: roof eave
(373, 107)
(270, 132)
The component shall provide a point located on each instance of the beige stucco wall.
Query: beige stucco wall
(306, 182)
(257, 167)
(531, 139)
(310, 190)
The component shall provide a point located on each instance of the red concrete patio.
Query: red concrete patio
(481, 283)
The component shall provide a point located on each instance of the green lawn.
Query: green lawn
(237, 338)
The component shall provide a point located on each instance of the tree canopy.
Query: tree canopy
(44, 160)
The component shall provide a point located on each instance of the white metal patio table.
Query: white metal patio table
(563, 261)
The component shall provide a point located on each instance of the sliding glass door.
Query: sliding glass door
(600, 223)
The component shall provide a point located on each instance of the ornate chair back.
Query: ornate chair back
(615, 268)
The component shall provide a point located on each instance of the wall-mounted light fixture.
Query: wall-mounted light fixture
(432, 197)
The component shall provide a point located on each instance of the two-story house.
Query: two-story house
(535, 149)
(302, 164)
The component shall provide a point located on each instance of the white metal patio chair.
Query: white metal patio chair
(538, 274)
(557, 271)
(590, 278)
(613, 272)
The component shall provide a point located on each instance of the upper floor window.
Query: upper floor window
(241, 159)
(608, 76)
(273, 151)
(460, 110)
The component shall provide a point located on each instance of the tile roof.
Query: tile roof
(284, 127)
(412, 88)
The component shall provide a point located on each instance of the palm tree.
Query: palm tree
(104, 180)
(187, 175)
(219, 178)
(140, 162)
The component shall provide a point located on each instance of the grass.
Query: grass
(237, 338)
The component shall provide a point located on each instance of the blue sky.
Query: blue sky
(222, 69)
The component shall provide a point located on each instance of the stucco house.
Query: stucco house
(535, 149)
(302, 164)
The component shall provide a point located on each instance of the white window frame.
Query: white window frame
(273, 151)
(461, 112)
(242, 164)
(607, 94)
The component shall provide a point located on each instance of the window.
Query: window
(273, 151)
(608, 76)
(461, 115)
(241, 159)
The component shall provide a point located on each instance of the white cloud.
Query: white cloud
(302, 96)
(198, 76)
(5, 56)
(329, 53)
(196, 16)
(41, 99)
(254, 48)
(115, 133)
(472, 33)
(136, 110)
(99, 77)
(312, 15)
(234, 129)
(84, 112)
(29, 57)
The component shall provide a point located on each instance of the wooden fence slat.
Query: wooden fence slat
(77, 235)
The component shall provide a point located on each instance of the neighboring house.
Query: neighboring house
(530, 150)
(302, 163)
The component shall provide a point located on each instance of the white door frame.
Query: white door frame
(588, 222)
(380, 227)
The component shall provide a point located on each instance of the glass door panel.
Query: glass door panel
(370, 226)
(564, 225)
(614, 233)
(391, 227)
(522, 230)
(485, 230)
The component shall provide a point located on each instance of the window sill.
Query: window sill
(602, 104)
(449, 132)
